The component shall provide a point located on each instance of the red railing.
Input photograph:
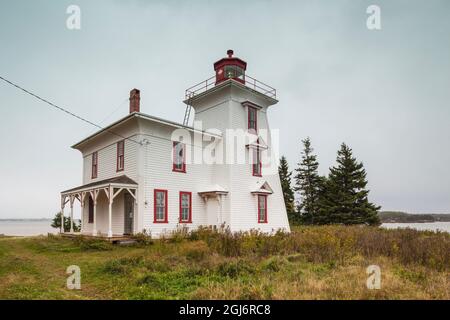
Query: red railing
(250, 82)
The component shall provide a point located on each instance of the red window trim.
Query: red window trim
(258, 159)
(174, 168)
(190, 207)
(118, 169)
(256, 118)
(265, 205)
(166, 218)
(94, 165)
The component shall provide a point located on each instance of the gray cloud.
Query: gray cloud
(384, 92)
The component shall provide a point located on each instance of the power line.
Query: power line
(65, 110)
(115, 110)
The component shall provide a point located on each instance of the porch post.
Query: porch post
(63, 198)
(220, 201)
(94, 225)
(71, 213)
(82, 211)
(111, 199)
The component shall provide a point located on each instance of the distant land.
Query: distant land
(404, 217)
(30, 219)
(385, 217)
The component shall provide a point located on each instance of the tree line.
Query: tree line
(339, 198)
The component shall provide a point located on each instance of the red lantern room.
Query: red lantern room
(230, 68)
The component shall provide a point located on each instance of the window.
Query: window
(91, 210)
(160, 206)
(185, 207)
(257, 162)
(94, 165)
(252, 119)
(120, 155)
(179, 155)
(234, 72)
(262, 208)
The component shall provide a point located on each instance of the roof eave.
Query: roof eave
(146, 117)
(106, 129)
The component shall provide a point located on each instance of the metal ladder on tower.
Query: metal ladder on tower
(187, 112)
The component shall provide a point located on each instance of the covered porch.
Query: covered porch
(108, 207)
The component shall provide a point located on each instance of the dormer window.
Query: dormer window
(252, 120)
(179, 155)
(94, 165)
(120, 155)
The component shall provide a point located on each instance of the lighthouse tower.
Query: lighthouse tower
(245, 190)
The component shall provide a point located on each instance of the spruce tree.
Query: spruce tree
(56, 223)
(344, 198)
(308, 183)
(285, 178)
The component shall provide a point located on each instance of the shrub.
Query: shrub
(273, 264)
(122, 266)
(196, 251)
(86, 244)
(143, 238)
(233, 269)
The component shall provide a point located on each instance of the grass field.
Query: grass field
(310, 263)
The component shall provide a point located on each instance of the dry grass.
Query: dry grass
(310, 263)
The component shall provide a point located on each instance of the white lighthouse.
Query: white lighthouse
(235, 102)
(141, 173)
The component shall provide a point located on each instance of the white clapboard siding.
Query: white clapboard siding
(150, 165)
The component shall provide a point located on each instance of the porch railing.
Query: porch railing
(249, 82)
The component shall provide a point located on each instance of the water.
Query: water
(26, 227)
(433, 226)
(38, 227)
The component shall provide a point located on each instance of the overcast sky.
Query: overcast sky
(385, 93)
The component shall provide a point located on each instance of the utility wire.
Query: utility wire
(115, 110)
(65, 110)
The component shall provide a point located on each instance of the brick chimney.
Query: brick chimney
(135, 100)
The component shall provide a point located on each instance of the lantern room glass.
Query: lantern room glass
(234, 72)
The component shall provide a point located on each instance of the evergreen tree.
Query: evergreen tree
(308, 183)
(344, 198)
(56, 223)
(285, 178)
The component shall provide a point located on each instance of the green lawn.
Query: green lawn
(310, 263)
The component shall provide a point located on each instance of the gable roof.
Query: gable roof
(262, 188)
(141, 116)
